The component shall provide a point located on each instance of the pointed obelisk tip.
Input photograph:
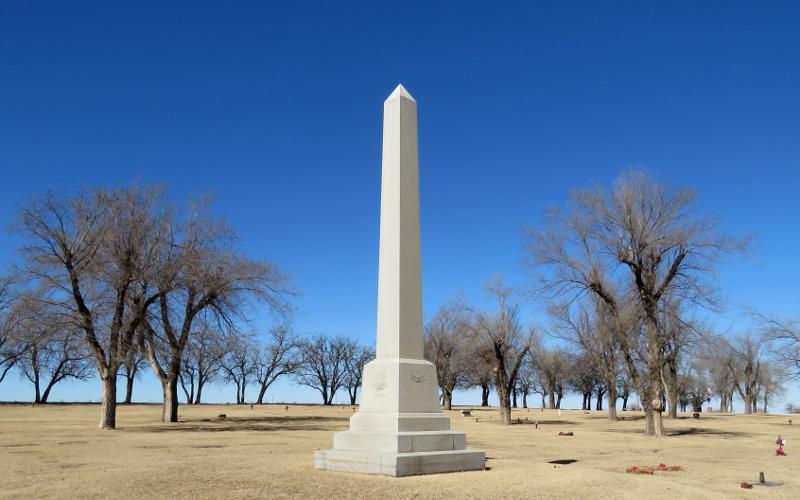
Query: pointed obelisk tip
(400, 91)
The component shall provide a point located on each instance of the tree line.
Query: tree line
(121, 280)
(626, 274)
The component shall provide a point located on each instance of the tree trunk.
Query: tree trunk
(169, 410)
(505, 405)
(447, 398)
(599, 402)
(525, 401)
(128, 387)
(485, 389)
(188, 390)
(514, 399)
(671, 389)
(200, 384)
(261, 393)
(324, 392)
(611, 394)
(108, 408)
(50, 385)
(673, 409)
(658, 424)
(748, 404)
(552, 397)
(37, 398)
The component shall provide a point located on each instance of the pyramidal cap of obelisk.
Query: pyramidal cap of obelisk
(399, 429)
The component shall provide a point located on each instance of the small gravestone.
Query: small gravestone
(466, 413)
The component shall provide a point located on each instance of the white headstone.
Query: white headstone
(400, 429)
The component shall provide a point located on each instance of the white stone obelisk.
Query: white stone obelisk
(400, 428)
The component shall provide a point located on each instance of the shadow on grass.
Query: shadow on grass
(630, 418)
(691, 431)
(258, 424)
(698, 431)
(545, 422)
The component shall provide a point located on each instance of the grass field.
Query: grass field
(267, 452)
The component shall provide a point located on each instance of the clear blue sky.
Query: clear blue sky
(275, 109)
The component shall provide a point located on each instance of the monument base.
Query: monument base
(400, 464)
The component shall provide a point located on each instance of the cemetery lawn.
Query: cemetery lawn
(267, 452)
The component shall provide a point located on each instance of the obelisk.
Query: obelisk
(400, 429)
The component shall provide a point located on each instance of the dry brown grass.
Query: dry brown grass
(56, 451)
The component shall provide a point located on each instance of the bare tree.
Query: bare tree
(479, 371)
(784, 336)
(11, 348)
(695, 386)
(506, 343)
(772, 377)
(239, 363)
(53, 352)
(595, 331)
(89, 257)
(54, 356)
(624, 388)
(644, 235)
(201, 361)
(278, 357)
(200, 274)
(680, 332)
(584, 377)
(131, 368)
(745, 364)
(355, 360)
(527, 379)
(718, 357)
(553, 366)
(446, 339)
(322, 365)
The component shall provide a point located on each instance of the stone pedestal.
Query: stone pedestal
(400, 429)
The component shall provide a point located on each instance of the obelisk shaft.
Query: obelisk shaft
(399, 331)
